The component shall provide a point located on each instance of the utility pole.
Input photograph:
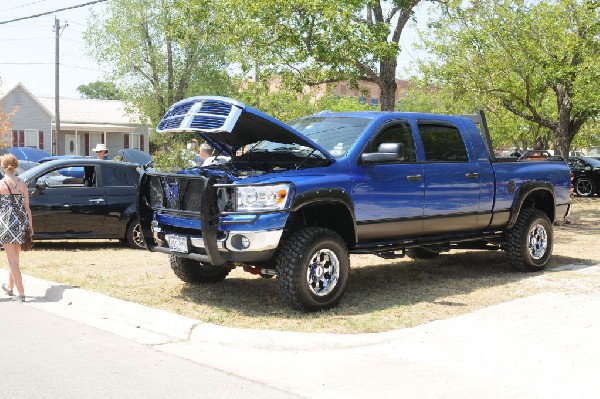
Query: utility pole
(57, 28)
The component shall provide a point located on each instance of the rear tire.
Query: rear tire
(313, 267)
(193, 271)
(585, 187)
(134, 236)
(529, 242)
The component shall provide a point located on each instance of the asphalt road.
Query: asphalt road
(71, 343)
(48, 356)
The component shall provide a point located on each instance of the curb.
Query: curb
(138, 322)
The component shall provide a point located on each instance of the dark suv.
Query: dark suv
(586, 175)
(99, 202)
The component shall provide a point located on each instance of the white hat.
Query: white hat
(100, 147)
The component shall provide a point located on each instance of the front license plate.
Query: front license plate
(178, 244)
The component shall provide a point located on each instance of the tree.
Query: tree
(310, 42)
(158, 53)
(100, 90)
(5, 123)
(537, 60)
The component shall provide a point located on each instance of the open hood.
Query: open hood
(227, 124)
(135, 156)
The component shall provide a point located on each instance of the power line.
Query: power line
(23, 5)
(54, 11)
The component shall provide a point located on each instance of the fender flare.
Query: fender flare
(329, 196)
(524, 193)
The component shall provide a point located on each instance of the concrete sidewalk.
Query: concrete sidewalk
(543, 346)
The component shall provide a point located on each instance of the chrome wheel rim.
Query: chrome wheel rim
(138, 239)
(538, 241)
(323, 272)
(584, 187)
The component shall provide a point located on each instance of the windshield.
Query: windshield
(592, 161)
(336, 134)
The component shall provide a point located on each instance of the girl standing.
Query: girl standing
(15, 220)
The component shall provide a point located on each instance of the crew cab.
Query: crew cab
(296, 200)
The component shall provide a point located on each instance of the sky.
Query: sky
(27, 47)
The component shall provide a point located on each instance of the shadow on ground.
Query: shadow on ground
(377, 287)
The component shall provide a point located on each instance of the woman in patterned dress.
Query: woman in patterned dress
(15, 219)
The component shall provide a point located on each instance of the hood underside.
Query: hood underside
(227, 124)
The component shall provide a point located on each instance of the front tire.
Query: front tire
(193, 271)
(529, 241)
(585, 187)
(313, 266)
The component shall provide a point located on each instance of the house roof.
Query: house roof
(78, 110)
(84, 111)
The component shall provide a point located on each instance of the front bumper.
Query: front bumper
(233, 246)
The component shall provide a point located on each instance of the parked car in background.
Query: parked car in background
(100, 204)
(586, 175)
(26, 153)
(71, 171)
(134, 156)
(23, 166)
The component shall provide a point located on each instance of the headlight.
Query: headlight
(262, 198)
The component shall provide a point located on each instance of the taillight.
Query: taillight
(572, 188)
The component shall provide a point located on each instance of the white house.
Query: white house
(83, 124)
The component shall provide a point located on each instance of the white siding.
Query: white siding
(29, 115)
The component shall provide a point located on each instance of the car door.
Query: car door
(452, 181)
(119, 182)
(388, 196)
(66, 206)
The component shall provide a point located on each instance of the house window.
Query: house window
(18, 97)
(134, 141)
(32, 138)
(374, 101)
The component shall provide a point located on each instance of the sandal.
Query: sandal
(7, 291)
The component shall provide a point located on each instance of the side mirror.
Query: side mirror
(387, 152)
(41, 185)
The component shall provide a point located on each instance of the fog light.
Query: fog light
(240, 242)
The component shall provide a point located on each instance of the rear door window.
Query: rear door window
(116, 177)
(442, 142)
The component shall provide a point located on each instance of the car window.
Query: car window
(400, 133)
(112, 177)
(576, 163)
(55, 179)
(442, 143)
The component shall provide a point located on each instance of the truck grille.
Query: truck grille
(175, 193)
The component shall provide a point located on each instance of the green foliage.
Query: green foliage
(158, 53)
(287, 105)
(537, 60)
(314, 41)
(100, 90)
(171, 153)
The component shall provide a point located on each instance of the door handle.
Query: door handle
(473, 175)
(97, 200)
(414, 177)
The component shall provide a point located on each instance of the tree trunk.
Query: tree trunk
(563, 129)
(387, 83)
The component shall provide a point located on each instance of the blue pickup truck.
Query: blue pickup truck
(295, 201)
